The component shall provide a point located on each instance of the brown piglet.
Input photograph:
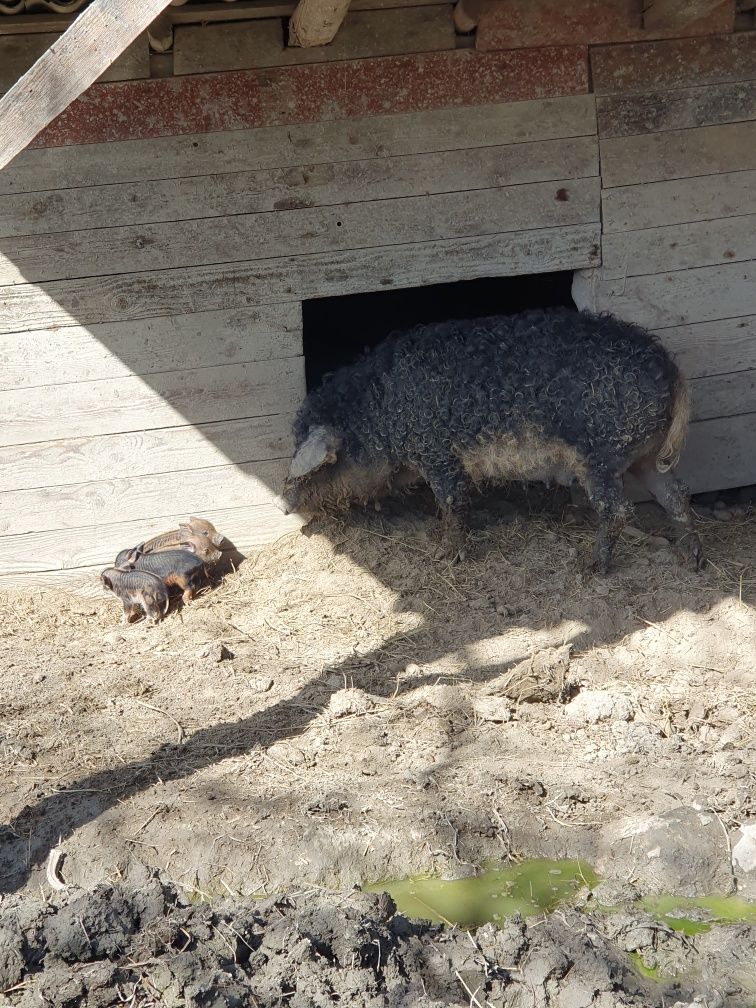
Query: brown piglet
(190, 541)
(139, 591)
(195, 528)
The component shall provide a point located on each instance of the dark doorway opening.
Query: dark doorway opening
(337, 330)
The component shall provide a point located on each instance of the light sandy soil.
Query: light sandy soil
(347, 707)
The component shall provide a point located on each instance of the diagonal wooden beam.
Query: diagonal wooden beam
(85, 51)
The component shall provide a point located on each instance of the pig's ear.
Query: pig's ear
(319, 448)
(187, 530)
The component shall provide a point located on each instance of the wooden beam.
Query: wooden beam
(467, 13)
(197, 13)
(82, 54)
(315, 22)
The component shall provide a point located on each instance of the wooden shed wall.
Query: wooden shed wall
(677, 136)
(156, 243)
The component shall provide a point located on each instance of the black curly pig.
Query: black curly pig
(551, 395)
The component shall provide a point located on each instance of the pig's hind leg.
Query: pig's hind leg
(673, 496)
(131, 611)
(606, 496)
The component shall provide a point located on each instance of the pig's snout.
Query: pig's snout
(286, 502)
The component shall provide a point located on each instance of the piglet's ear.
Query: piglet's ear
(319, 448)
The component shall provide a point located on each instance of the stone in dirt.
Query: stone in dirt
(744, 859)
(684, 851)
(592, 706)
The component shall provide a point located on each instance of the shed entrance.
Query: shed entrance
(336, 330)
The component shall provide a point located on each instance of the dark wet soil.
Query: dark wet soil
(138, 942)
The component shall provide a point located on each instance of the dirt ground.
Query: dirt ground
(349, 707)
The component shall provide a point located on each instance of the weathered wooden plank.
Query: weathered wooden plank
(285, 189)
(167, 399)
(705, 348)
(171, 343)
(720, 454)
(214, 47)
(653, 66)
(145, 452)
(85, 51)
(723, 395)
(232, 285)
(523, 23)
(653, 157)
(68, 551)
(204, 154)
(671, 299)
(678, 246)
(621, 115)
(19, 52)
(242, 99)
(82, 582)
(688, 17)
(102, 501)
(144, 247)
(678, 201)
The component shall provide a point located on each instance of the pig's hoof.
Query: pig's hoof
(695, 553)
(598, 562)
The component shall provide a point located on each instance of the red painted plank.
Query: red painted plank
(677, 63)
(519, 24)
(315, 92)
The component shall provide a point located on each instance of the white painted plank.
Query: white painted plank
(678, 246)
(131, 498)
(19, 52)
(724, 395)
(625, 115)
(705, 348)
(247, 528)
(653, 157)
(215, 47)
(106, 299)
(678, 201)
(145, 453)
(321, 229)
(296, 188)
(87, 48)
(719, 454)
(300, 144)
(670, 299)
(166, 399)
(171, 343)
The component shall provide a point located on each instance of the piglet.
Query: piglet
(176, 568)
(139, 591)
(192, 542)
(195, 528)
(183, 539)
